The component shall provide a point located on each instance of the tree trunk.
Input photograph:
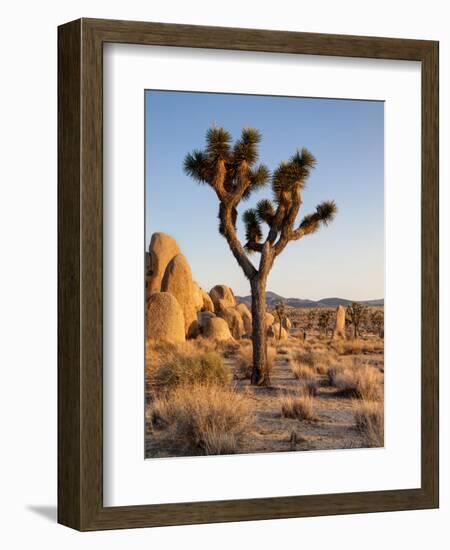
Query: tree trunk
(260, 372)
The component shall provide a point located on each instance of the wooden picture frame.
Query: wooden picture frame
(80, 271)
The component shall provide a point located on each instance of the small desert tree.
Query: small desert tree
(233, 173)
(309, 323)
(355, 315)
(280, 314)
(324, 321)
(377, 320)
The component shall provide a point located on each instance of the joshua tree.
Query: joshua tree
(355, 315)
(309, 324)
(325, 320)
(280, 312)
(233, 173)
(377, 319)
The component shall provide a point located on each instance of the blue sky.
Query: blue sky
(345, 259)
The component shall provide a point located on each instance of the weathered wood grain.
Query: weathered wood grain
(80, 264)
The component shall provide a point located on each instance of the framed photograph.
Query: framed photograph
(248, 274)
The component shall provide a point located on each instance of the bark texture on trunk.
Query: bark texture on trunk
(260, 372)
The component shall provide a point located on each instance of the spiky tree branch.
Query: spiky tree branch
(288, 181)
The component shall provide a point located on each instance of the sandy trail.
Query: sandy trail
(334, 428)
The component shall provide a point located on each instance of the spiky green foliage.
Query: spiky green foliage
(292, 173)
(283, 179)
(325, 213)
(246, 148)
(259, 176)
(304, 161)
(218, 144)
(236, 162)
(196, 165)
(265, 211)
(253, 231)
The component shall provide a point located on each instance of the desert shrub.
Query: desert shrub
(301, 370)
(359, 382)
(369, 418)
(219, 443)
(203, 368)
(229, 348)
(202, 344)
(369, 383)
(271, 356)
(159, 353)
(202, 419)
(299, 407)
(320, 361)
(284, 346)
(338, 347)
(244, 362)
(310, 388)
(360, 346)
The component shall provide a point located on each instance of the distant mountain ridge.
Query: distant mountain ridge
(272, 299)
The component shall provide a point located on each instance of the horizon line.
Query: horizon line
(319, 300)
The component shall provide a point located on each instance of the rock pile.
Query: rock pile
(178, 308)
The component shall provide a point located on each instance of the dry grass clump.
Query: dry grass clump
(159, 352)
(338, 347)
(301, 371)
(243, 367)
(244, 362)
(271, 355)
(229, 348)
(320, 361)
(360, 382)
(286, 344)
(369, 418)
(359, 346)
(202, 419)
(202, 344)
(310, 388)
(312, 340)
(203, 368)
(299, 407)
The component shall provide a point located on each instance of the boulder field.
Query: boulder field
(177, 308)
